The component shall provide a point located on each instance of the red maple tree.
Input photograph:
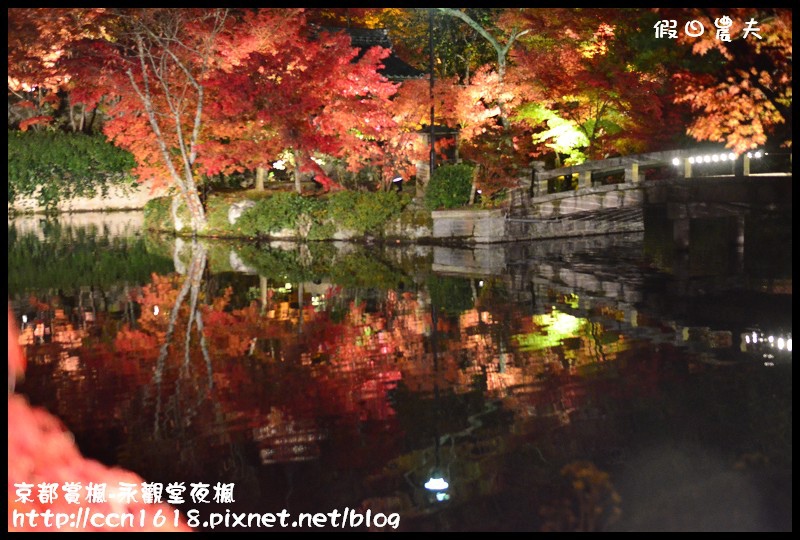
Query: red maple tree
(312, 96)
(741, 91)
(194, 92)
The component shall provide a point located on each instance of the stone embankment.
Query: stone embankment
(118, 198)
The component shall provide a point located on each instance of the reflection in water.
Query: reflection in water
(502, 388)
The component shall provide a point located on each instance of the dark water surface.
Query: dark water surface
(602, 383)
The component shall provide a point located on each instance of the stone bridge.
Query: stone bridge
(623, 194)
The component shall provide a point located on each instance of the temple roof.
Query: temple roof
(395, 69)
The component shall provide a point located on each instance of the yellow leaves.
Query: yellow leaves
(599, 42)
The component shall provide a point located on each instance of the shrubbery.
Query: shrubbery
(278, 211)
(319, 217)
(54, 166)
(449, 186)
(365, 212)
(158, 211)
(311, 217)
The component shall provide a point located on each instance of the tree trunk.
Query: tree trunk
(196, 211)
(501, 50)
(298, 186)
(72, 125)
(261, 175)
(300, 294)
(194, 205)
(474, 189)
(262, 282)
(88, 126)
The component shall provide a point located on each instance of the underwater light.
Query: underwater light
(436, 484)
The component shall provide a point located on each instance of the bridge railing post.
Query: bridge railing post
(585, 180)
(741, 167)
(539, 184)
(535, 187)
(632, 173)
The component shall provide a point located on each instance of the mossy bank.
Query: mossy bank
(343, 215)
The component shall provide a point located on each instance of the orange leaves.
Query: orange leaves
(41, 120)
(746, 100)
(128, 341)
(735, 112)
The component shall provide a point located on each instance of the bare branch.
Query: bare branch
(145, 96)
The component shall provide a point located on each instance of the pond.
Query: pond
(599, 384)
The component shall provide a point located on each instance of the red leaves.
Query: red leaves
(295, 93)
(127, 341)
(739, 104)
(41, 120)
(41, 449)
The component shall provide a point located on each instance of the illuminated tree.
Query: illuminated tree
(311, 97)
(195, 92)
(589, 95)
(38, 39)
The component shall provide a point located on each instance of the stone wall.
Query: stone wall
(469, 226)
(619, 213)
(118, 198)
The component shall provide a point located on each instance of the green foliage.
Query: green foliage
(278, 264)
(322, 230)
(217, 216)
(279, 211)
(314, 218)
(415, 217)
(449, 186)
(562, 135)
(157, 213)
(365, 212)
(53, 166)
(360, 268)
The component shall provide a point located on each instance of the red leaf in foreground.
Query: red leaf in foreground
(42, 450)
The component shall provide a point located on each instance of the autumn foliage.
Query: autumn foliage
(198, 92)
(310, 94)
(746, 101)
